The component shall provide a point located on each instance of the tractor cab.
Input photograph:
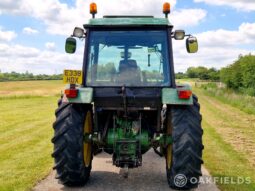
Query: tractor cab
(131, 51)
(128, 56)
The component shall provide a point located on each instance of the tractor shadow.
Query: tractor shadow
(108, 181)
(106, 177)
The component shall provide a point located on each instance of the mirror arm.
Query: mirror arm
(188, 35)
(81, 38)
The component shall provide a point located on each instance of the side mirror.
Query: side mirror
(70, 46)
(179, 34)
(191, 44)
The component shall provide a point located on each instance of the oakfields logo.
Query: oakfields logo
(180, 180)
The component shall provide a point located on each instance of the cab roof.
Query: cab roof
(109, 21)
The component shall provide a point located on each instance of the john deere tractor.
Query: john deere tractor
(125, 101)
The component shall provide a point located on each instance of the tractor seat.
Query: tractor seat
(126, 65)
(129, 72)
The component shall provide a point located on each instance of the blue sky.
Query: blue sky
(33, 33)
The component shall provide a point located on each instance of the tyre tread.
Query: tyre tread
(187, 144)
(68, 144)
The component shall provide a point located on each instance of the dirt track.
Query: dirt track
(104, 176)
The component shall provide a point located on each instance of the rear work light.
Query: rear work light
(184, 94)
(71, 93)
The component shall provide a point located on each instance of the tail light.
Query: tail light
(71, 93)
(184, 94)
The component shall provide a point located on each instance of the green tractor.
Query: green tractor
(125, 101)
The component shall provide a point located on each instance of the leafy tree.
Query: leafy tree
(203, 73)
(180, 75)
(240, 75)
(214, 74)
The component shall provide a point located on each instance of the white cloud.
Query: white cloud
(223, 38)
(50, 45)
(28, 30)
(10, 5)
(248, 30)
(216, 57)
(61, 19)
(17, 51)
(7, 35)
(58, 17)
(216, 48)
(125, 7)
(187, 17)
(22, 58)
(241, 5)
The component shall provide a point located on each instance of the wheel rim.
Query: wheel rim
(169, 156)
(169, 147)
(87, 147)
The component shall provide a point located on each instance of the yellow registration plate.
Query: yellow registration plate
(72, 77)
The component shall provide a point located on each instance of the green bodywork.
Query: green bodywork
(85, 95)
(163, 140)
(128, 21)
(127, 140)
(170, 96)
(119, 134)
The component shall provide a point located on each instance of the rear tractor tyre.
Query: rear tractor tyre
(184, 156)
(73, 157)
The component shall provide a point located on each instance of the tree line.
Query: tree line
(14, 76)
(201, 73)
(239, 76)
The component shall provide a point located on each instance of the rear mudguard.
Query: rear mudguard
(85, 95)
(170, 95)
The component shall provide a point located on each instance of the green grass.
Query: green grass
(243, 102)
(31, 88)
(27, 113)
(26, 117)
(229, 142)
(223, 160)
(25, 147)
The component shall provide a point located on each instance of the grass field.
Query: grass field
(243, 102)
(30, 88)
(26, 116)
(27, 113)
(229, 138)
